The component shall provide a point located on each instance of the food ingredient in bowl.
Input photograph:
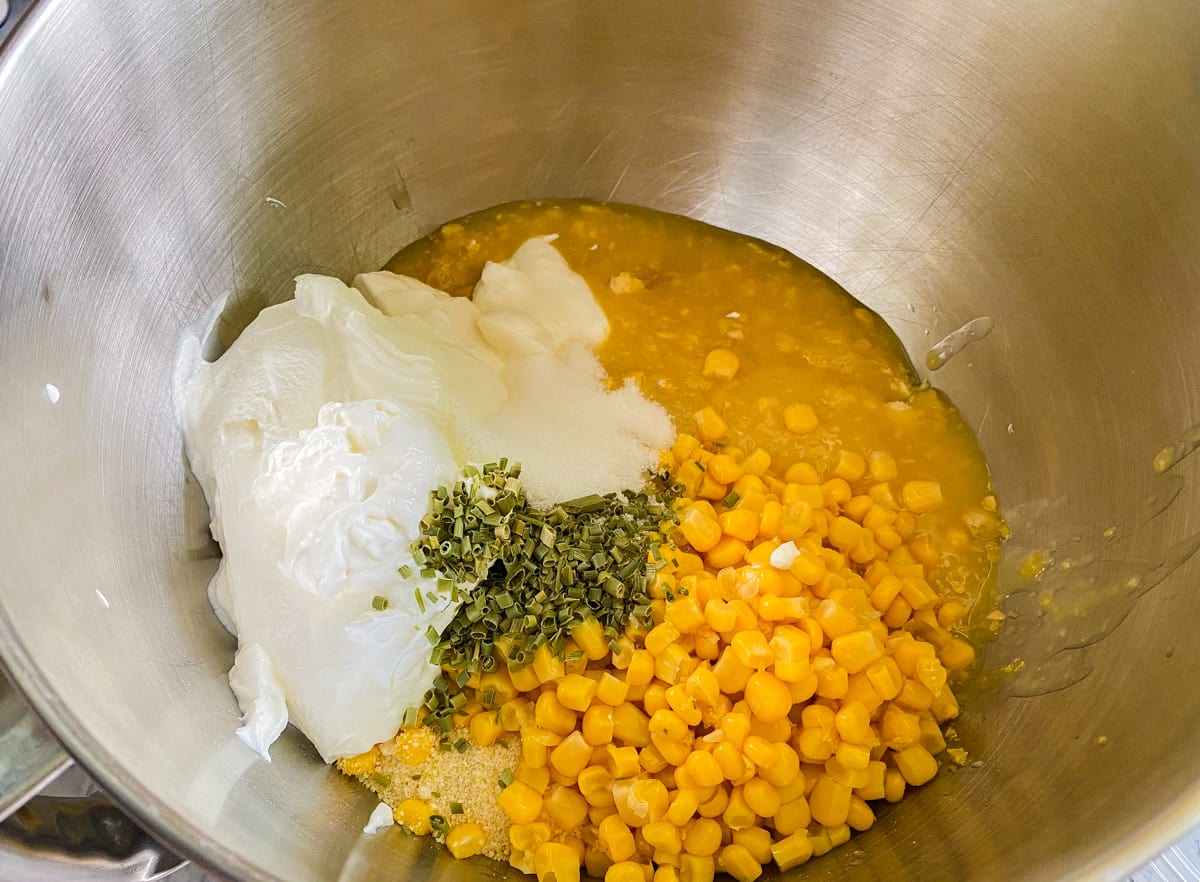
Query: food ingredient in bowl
(834, 531)
(318, 437)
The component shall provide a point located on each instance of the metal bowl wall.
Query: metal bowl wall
(1036, 163)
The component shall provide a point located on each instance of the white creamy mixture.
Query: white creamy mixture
(318, 437)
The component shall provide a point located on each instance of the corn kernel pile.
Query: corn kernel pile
(796, 672)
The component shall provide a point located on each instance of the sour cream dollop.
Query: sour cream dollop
(318, 437)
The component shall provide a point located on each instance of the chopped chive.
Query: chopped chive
(731, 500)
(420, 599)
(506, 778)
(379, 602)
(382, 781)
(405, 571)
(456, 808)
(439, 824)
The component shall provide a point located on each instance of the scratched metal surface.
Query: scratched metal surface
(1036, 163)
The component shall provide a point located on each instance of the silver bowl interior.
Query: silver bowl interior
(1035, 163)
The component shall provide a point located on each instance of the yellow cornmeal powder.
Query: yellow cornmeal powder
(412, 766)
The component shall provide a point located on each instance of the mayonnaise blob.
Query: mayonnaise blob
(318, 437)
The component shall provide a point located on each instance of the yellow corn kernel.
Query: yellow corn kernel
(640, 670)
(800, 418)
(611, 690)
(660, 637)
(918, 593)
(844, 533)
(575, 692)
(737, 861)
(524, 679)
(829, 802)
(616, 839)
(684, 704)
(550, 714)
(857, 650)
(853, 722)
(752, 649)
(957, 655)
(538, 779)
(485, 728)
(520, 802)
(723, 468)
(556, 862)
(566, 807)
(413, 815)
(834, 619)
(944, 705)
(594, 784)
(597, 726)
(720, 616)
(709, 425)
(931, 735)
(849, 466)
(885, 678)
(663, 836)
(628, 871)
(571, 756)
(703, 687)
(793, 850)
(792, 817)
(768, 696)
(685, 447)
(641, 801)
(699, 530)
(683, 805)
(716, 804)
(882, 465)
(589, 636)
(362, 764)
(466, 840)
(668, 724)
(755, 840)
(832, 680)
(785, 770)
(704, 769)
(855, 757)
(673, 664)
(756, 462)
(740, 524)
(721, 364)
(696, 868)
(916, 764)
(702, 837)
(685, 614)
(738, 815)
(650, 759)
(529, 837)
(761, 796)
(893, 785)
(921, 496)
(897, 614)
(548, 668)
(711, 488)
(899, 728)
(727, 552)
(731, 674)
(621, 762)
(839, 835)
(808, 567)
(858, 508)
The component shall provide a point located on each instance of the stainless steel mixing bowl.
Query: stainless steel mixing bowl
(1037, 163)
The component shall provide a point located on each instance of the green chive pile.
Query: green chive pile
(528, 575)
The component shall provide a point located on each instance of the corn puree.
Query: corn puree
(835, 527)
